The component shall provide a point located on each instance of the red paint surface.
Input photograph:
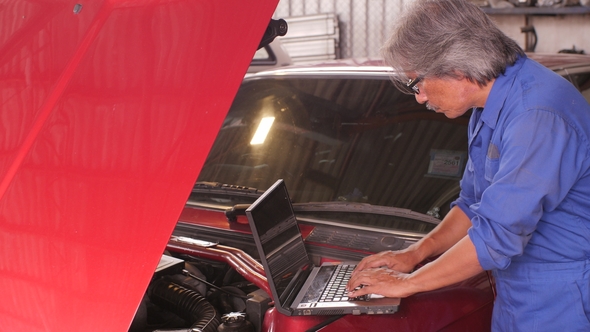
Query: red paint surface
(466, 306)
(462, 307)
(106, 118)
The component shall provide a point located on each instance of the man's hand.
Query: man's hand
(452, 229)
(384, 266)
(382, 273)
(457, 264)
(385, 273)
(382, 281)
(402, 261)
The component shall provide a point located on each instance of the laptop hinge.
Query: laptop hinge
(294, 287)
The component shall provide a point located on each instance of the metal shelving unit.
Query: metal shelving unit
(571, 10)
(527, 12)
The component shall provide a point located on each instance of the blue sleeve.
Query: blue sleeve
(466, 196)
(539, 160)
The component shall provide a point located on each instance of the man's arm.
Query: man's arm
(457, 264)
(452, 229)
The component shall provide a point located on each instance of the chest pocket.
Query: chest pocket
(492, 162)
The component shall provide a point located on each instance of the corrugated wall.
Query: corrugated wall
(364, 24)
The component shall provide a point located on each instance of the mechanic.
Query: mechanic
(524, 207)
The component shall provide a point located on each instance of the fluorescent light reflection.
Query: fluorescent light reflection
(262, 131)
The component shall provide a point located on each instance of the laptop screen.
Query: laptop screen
(276, 230)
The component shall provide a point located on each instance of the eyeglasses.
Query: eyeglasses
(412, 85)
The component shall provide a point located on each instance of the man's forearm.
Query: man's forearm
(456, 264)
(452, 229)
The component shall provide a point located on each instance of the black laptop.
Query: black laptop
(298, 287)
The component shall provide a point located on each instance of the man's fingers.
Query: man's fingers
(370, 262)
(358, 290)
(356, 282)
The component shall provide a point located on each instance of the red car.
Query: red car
(112, 109)
(367, 168)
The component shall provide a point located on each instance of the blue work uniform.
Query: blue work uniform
(526, 189)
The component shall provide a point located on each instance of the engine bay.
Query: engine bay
(189, 293)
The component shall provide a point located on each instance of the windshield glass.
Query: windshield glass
(348, 139)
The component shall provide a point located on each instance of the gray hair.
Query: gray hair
(448, 38)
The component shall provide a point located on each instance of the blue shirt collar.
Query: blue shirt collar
(499, 93)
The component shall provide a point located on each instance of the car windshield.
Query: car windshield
(349, 139)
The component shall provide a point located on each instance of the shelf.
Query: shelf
(571, 10)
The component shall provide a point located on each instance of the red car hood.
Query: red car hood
(109, 109)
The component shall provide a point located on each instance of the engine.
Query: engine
(188, 293)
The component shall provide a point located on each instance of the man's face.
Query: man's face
(450, 96)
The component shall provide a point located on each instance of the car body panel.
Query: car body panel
(466, 306)
(109, 109)
(433, 311)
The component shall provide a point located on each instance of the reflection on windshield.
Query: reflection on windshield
(341, 139)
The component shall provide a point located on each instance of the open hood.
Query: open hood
(108, 111)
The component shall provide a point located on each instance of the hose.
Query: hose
(186, 303)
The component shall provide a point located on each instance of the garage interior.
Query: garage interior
(333, 29)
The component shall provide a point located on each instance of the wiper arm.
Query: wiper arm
(205, 187)
(240, 209)
(237, 210)
(215, 195)
(364, 208)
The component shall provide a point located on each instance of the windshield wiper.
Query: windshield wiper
(339, 207)
(363, 208)
(217, 195)
(204, 187)
(216, 188)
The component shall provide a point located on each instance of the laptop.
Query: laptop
(298, 287)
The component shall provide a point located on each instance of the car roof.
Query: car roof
(554, 61)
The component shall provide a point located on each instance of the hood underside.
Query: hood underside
(109, 109)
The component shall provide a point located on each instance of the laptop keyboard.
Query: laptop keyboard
(336, 289)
